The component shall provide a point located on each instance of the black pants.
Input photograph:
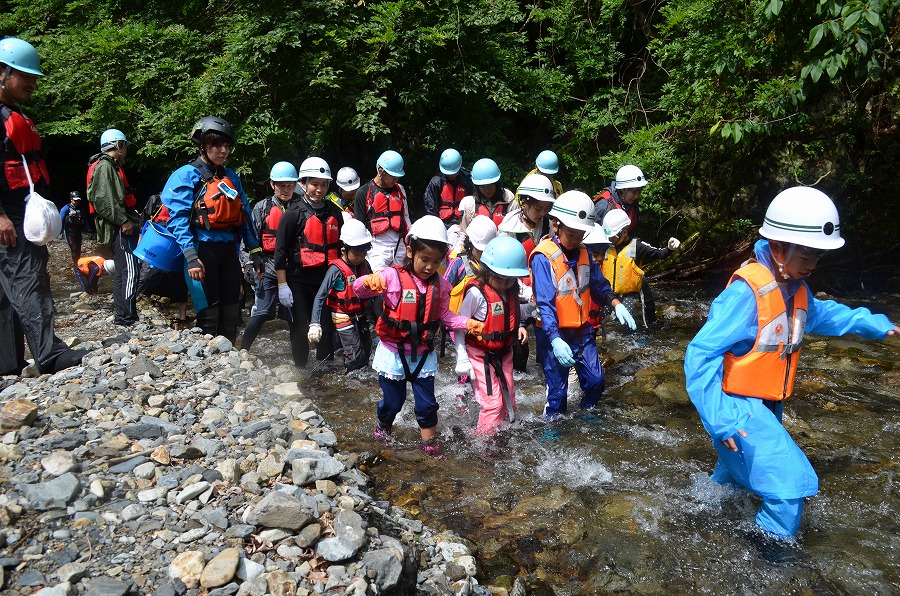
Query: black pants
(27, 305)
(128, 273)
(304, 295)
(222, 286)
(73, 239)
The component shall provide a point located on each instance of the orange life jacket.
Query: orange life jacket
(218, 204)
(496, 214)
(270, 225)
(451, 194)
(767, 371)
(22, 140)
(573, 287)
(130, 200)
(385, 210)
(346, 301)
(502, 322)
(416, 317)
(84, 265)
(318, 242)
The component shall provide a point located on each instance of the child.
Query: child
(416, 302)
(529, 225)
(596, 243)
(448, 187)
(381, 204)
(621, 264)
(564, 281)
(89, 270)
(348, 181)
(348, 311)
(547, 164)
(489, 198)
(493, 297)
(741, 365)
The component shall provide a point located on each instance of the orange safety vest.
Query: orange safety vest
(385, 210)
(130, 199)
(84, 265)
(416, 317)
(318, 243)
(218, 205)
(22, 140)
(346, 301)
(767, 371)
(502, 321)
(451, 195)
(621, 269)
(270, 225)
(496, 214)
(573, 287)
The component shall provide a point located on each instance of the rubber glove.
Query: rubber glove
(674, 243)
(315, 333)
(625, 318)
(285, 296)
(474, 327)
(463, 367)
(375, 283)
(563, 352)
(257, 259)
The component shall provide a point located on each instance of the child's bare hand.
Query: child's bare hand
(729, 442)
(523, 335)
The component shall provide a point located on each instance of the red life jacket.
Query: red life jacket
(318, 242)
(502, 322)
(630, 210)
(496, 214)
(130, 200)
(416, 317)
(346, 301)
(451, 195)
(162, 214)
(22, 140)
(270, 225)
(385, 211)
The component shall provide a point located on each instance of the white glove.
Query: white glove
(315, 333)
(674, 243)
(464, 368)
(624, 317)
(285, 296)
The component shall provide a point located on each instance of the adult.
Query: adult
(117, 220)
(267, 215)
(448, 187)
(75, 223)
(26, 302)
(623, 193)
(381, 204)
(307, 241)
(209, 214)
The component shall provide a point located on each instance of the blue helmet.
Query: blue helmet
(283, 171)
(111, 138)
(391, 162)
(547, 162)
(451, 162)
(21, 55)
(504, 255)
(485, 171)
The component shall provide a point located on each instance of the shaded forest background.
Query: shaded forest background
(721, 103)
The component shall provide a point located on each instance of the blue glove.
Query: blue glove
(625, 317)
(563, 352)
(285, 296)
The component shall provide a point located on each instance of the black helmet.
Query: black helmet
(209, 124)
(74, 195)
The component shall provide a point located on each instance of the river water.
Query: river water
(619, 498)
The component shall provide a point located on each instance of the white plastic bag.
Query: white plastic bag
(42, 222)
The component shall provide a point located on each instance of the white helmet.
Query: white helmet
(575, 210)
(597, 235)
(615, 221)
(347, 179)
(537, 186)
(354, 233)
(805, 216)
(109, 266)
(315, 167)
(630, 177)
(428, 227)
(481, 231)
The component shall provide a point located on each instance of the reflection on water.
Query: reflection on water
(619, 498)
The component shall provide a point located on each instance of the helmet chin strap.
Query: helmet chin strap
(791, 251)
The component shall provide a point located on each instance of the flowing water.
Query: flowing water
(619, 498)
